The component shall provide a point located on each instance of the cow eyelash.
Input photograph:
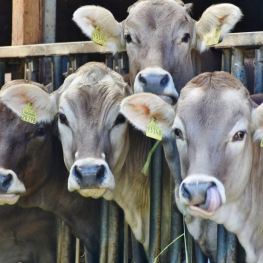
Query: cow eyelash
(239, 136)
(186, 37)
(178, 134)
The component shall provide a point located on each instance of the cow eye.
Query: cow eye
(62, 118)
(239, 136)
(119, 120)
(178, 133)
(186, 37)
(41, 131)
(128, 38)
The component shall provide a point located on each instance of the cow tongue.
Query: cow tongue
(212, 203)
(213, 200)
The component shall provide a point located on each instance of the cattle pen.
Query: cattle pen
(116, 241)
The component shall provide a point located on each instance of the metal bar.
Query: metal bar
(200, 257)
(57, 78)
(2, 73)
(258, 78)
(113, 236)
(77, 253)
(72, 64)
(138, 254)
(124, 63)
(231, 256)
(238, 68)
(226, 60)
(63, 242)
(190, 244)
(126, 243)
(49, 21)
(155, 206)
(221, 244)
(109, 61)
(104, 231)
(32, 69)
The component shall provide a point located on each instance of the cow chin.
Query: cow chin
(8, 199)
(202, 195)
(94, 193)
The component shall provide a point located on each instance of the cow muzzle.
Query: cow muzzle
(202, 195)
(91, 177)
(10, 187)
(156, 81)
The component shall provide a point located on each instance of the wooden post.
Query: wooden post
(27, 22)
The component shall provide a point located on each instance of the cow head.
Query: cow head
(24, 146)
(161, 40)
(214, 128)
(92, 132)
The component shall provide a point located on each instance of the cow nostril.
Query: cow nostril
(6, 182)
(77, 173)
(142, 80)
(185, 193)
(100, 173)
(164, 80)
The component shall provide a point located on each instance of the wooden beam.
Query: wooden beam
(27, 22)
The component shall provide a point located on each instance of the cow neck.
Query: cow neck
(133, 188)
(246, 211)
(80, 213)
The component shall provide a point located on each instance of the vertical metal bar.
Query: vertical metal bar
(200, 257)
(78, 61)
(2, 73)
(190, 244)
(72, 64)
(138, 254)
(226, 60)
(155, 206)
(32, 69)
(124, 63)
(258, 79)
(238, 68)
(77, 254)
(57, 78)
(104, 231)
(109, 61)
(221, 244)
(113, 238)
(176, 231)
(126, 243)
(49, 21)
(63, 242)
(231, 256)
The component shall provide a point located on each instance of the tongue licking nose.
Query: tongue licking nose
(202, 197)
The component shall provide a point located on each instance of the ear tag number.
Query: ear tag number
(98, 37)
(153, 130)
(212, 39)
(261, 143)
(29, 114)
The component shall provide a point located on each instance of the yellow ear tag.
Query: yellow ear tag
(261, 143)
(153, 130)
(98, 37)
(29, 114)
(212, 38)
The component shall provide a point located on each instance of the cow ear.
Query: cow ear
(140, 108)
(215, 22)
(258, 122)
(18, 97)
(89, 18)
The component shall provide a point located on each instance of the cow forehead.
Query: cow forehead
(156, 14)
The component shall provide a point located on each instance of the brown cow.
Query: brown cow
(32, 153)
(218, 129)
(104, 154)
(163, 42)
(27, 235)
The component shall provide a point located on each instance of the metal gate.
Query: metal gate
(114, 246)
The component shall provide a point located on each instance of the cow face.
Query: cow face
(23, 146)
(214, 128)
(92, 132)
(161, 40)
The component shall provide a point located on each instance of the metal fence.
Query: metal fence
(112, 242)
